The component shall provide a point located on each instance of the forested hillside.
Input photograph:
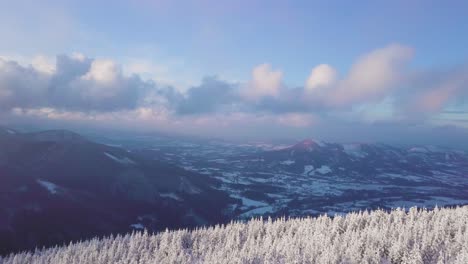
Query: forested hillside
(415, 236)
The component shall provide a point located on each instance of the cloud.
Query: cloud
(371, 78)
(380, 86)
(212, 95)
(75, 83)
(21, 86)
(435, 90)
(297, 119)
(103, 71)
(44, 64)
(265, 82)
(321, 77)
(374, 74)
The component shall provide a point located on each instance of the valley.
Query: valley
(59, 186)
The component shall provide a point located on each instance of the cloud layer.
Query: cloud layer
(380, 83)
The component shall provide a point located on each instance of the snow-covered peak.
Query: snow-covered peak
(308, 145)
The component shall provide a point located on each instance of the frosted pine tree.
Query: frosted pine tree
(416, 236)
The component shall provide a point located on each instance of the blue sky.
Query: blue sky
(377, 62)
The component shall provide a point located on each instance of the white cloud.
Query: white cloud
(373, 75)
(41, 63)
(78, 56)
(371, 78)
(265, 82)
(322, 76)
(44, 64)
(297, 119)
(103, 71)
(77, 88)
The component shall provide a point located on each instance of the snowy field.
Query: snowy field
(416, 236)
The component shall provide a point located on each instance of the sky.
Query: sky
(391, 71)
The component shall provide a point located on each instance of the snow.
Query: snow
(413, 236)
(320, 143)
(354, 150)
(324, 169)
(308, 169)
(249, 202)
(113, 145)
(230, 174)
(224, 179)
(447, 156)
(260, 180)
(276, 196)
(257, 211)
(231, 177)
(137, 226)
(406, 177)
(222, 161)
(51, 187)
(171, 195)
(287, 162)
(429, 202)
(418, 150)
(124, 160)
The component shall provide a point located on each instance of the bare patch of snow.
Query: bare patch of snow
(320, 143)
(171, 195)
(230, 174)
(287, 162)
(51, 187)
(418, 150)
(354, 150)
(249, 202)
(400, 176)
(308, 169)
(425, 203)
(113, 145)
(137, 226)
(324, 169)
(124, 160)
(222, 161)
(257, 211)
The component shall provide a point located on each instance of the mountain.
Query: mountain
(57, 186)
(314, 177)
(306, 145)
(418, 236)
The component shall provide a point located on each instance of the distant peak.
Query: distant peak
(308, 144)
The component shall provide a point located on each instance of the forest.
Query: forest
(400, 236)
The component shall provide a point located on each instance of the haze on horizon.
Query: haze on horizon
(339, 71)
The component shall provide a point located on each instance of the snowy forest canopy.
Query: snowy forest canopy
(414, 236)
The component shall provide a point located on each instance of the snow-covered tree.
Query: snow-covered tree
(414, 236)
